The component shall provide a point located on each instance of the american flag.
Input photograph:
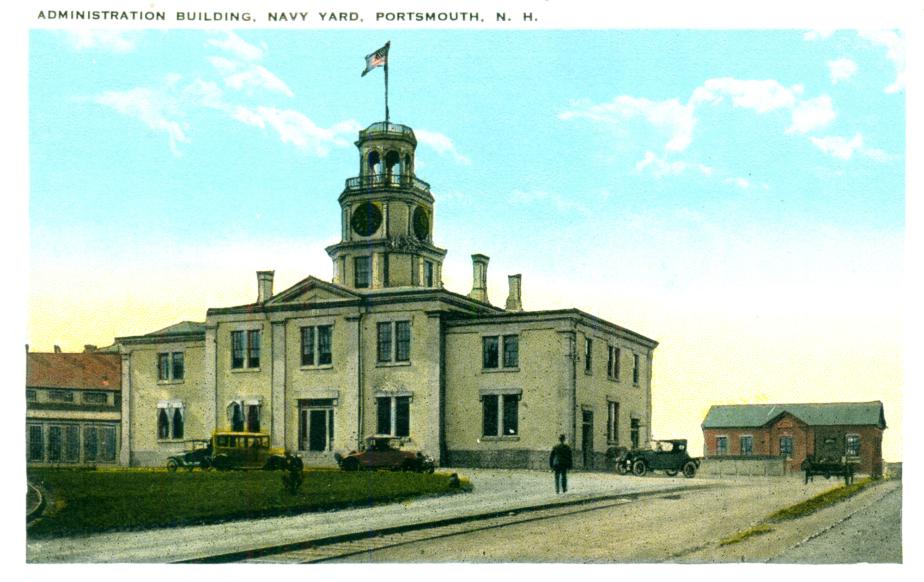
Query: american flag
(377, 59)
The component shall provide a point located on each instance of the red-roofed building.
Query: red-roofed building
(73, 407)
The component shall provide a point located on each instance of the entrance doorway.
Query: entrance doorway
(587, 438)
(316, 425)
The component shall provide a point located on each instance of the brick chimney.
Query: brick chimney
(89, 348)
(514, 299)
(480, 278)
(264, 285)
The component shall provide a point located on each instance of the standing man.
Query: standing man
(560, 462)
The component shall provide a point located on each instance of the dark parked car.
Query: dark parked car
(385, 453)
(198, 453)
(669, 456)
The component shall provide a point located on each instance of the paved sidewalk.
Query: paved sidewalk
(494, 490)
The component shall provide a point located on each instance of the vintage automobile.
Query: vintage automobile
(385, 453)
(197, 453)
(236, 450)
(669, 456)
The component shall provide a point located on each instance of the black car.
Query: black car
(669, 456)
(198, 453)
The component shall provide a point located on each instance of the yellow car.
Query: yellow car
(249, 450)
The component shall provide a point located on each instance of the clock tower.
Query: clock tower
(386, 217)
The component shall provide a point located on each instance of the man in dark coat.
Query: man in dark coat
(560, 462)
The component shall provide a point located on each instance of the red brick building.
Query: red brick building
(792, 430)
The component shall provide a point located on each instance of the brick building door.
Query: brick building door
(587, 438)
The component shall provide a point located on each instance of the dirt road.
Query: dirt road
(668, 527)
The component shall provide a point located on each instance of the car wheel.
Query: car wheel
(639, 467)
(172, 465)
(221, 463)
(350, 465)
(205, 463)
(689, 469)
(621, 468)
(672, 472)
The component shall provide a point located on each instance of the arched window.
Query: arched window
(163, 424)
(253, 418)
(236, 415)
(177, 423)
(392, 167)
(373, 164)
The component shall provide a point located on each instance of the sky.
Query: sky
(736, 195)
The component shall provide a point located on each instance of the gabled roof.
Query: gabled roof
(180, 328)
(85, 371)
(311, 289)
(812, 414)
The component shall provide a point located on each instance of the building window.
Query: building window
(853, 445)
(398, 350)
(612, 363)
(428, 273)
(71, 443)
(245, 348)
(170, 367)
(60, 395)
(385, 270)
(747, 445)
(36, 443)
(588, 355)
(721, 445)
(316, 424)
(95, 397)
(491, 355)
(171, 421)
(612, 424)
(393, 415)
(236, 416)
(635, 369)
(31, 395)
(786, 446)
(634, 430)
(500, 415)
(54, 444)
(253, 418)
(362, 272)
(316, 345)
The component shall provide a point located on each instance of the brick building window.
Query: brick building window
(636, 371)
(612, 362)
(171, 420)
(721, 445)
(747, 444)
(428, 274)
(853, 445)
(60, 395)
(786, 446)
(95, 397)
(362, 272)
(491, 353)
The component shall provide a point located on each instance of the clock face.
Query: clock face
(421, 223)
(366, 219)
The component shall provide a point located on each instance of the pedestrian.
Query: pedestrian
(560, 462)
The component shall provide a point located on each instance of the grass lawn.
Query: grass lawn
(86, 501)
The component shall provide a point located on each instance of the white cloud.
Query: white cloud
(740, 182)
(812, 114)
(238, 47)
(247, 76)
(843, 148)
(670, 116)
(760, 95)
(120, 41)
(661, 167)
(442, 143)
(149, 106)
(841, 69)
(296, 128)
(895, 52)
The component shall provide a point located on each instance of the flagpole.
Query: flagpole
(386, 85)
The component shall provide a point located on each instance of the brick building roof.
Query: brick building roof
(812, 414)
(85, 371)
